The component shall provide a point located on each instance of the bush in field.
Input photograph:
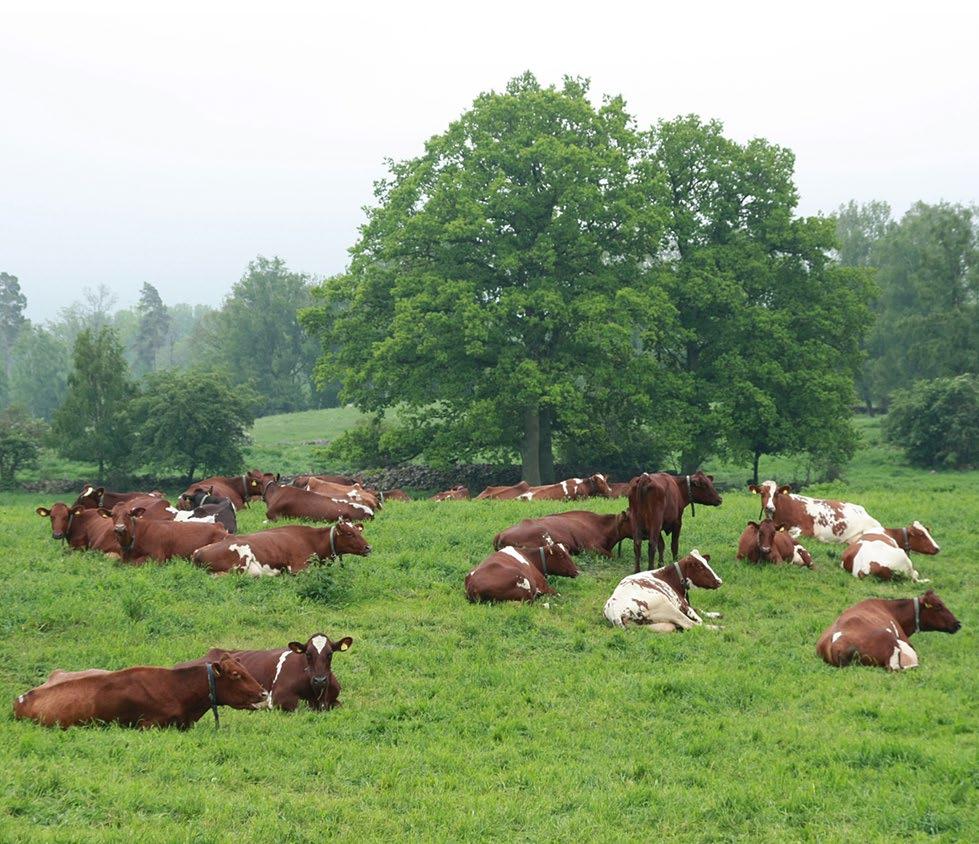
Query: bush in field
(20, 441)
(194, 422)
(937, 422)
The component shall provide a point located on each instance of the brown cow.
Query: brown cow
(302, 480)
(81, 528)
(519, 574)
(571, 489)
(827, 521)
(298, 672)
(145, 539)
(504, 493)
(577, 530)
(144, 696)
(91, 498)
(396, 494)
(293, 503)
(239, 489)
(656, 504)
(354, 493)
(764, 541)
(619, 489)
(289, 549)
(876, 631)
(457, 493)
(660, 599)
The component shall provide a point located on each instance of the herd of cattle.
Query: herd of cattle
(137, 527)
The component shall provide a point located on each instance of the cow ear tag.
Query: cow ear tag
(344, 645)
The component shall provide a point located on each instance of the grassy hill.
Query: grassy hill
(469, 722)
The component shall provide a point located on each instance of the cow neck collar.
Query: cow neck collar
(204, 498)
(265, 490)
(543, 560)
(244, 487)
(71, 517)
(212, 693)
(684, 583)
(693, 511)
(132, 535)
(333, 547)
(917, 614)
(907, 541)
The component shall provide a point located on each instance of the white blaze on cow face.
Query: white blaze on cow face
(837, 635)
(513, 552)
(768, 489)
(698, 556)
(319, 642)
(928, 536)
(250, 564)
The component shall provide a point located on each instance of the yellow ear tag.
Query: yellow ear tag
(344, 646)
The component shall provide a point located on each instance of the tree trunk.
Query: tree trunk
(530, 447)
(754, 474)
(546, 450)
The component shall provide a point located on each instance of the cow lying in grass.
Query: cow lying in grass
(765, 542)
(876, 631)
(142, 697)
(293, 503)
(826, 520)
(240, 489)
(298, 672)
(885, 555)
(143, 539)
(519, 574)
(456, 493)
(91, 498)
(577, 530)
(284, 549)
(659, 599)
(81, 528)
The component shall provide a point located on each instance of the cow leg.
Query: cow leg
(637, 546)
(674, 544)
(883, 572)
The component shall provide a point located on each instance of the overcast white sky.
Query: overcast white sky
(174, 145)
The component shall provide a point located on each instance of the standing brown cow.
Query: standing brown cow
(656, 504)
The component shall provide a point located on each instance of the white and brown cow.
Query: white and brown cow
(876, 631)
(519, 573)
(827, 521)
(886, 554)
(659, 599)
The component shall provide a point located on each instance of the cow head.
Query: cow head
(90, 497)
(557, 558)
(61, 516)
(598, 486)
(768, 490)
(348, 538)
(319, 652)
(702, 489)
(764, 536)
(125, 523)
(192, 500)
(920, 540)
(935, 615)
(235, 687)
(697, 571)
(255, 481)
(623, 525)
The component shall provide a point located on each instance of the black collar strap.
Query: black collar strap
(206, 496)
(684, 583)
(907, 541)
(693, 511)
(543, 559)
(132, 535)
(333, 547)
(244, 487)
(67, 533)
(917, 614)
(212, 694)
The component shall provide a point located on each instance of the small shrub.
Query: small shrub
(324, 584)
(936, 422)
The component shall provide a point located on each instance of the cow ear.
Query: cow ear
(710, 478)
(706, 557)
(105, 514)
(277, 476)
(780, 526)
(77, 511)
(752, 524)
(785, 489)
(43, 511)
(344, 644)
(753, 488)
(297, 648)
(98, 493)
(210, 490)
(136, 512)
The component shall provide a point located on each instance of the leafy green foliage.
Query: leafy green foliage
(39, 375)
(154, 328)
(21, 436)
(92, 424)
(256, 338)
(499, 285)
(937, 422)
(194, 421)
(12, 319)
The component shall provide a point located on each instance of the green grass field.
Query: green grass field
(536, 723)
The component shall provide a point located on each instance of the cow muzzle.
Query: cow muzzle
(319, 682)
(58, 535)
(765, 550)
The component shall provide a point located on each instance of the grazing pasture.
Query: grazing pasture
(506, 722)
